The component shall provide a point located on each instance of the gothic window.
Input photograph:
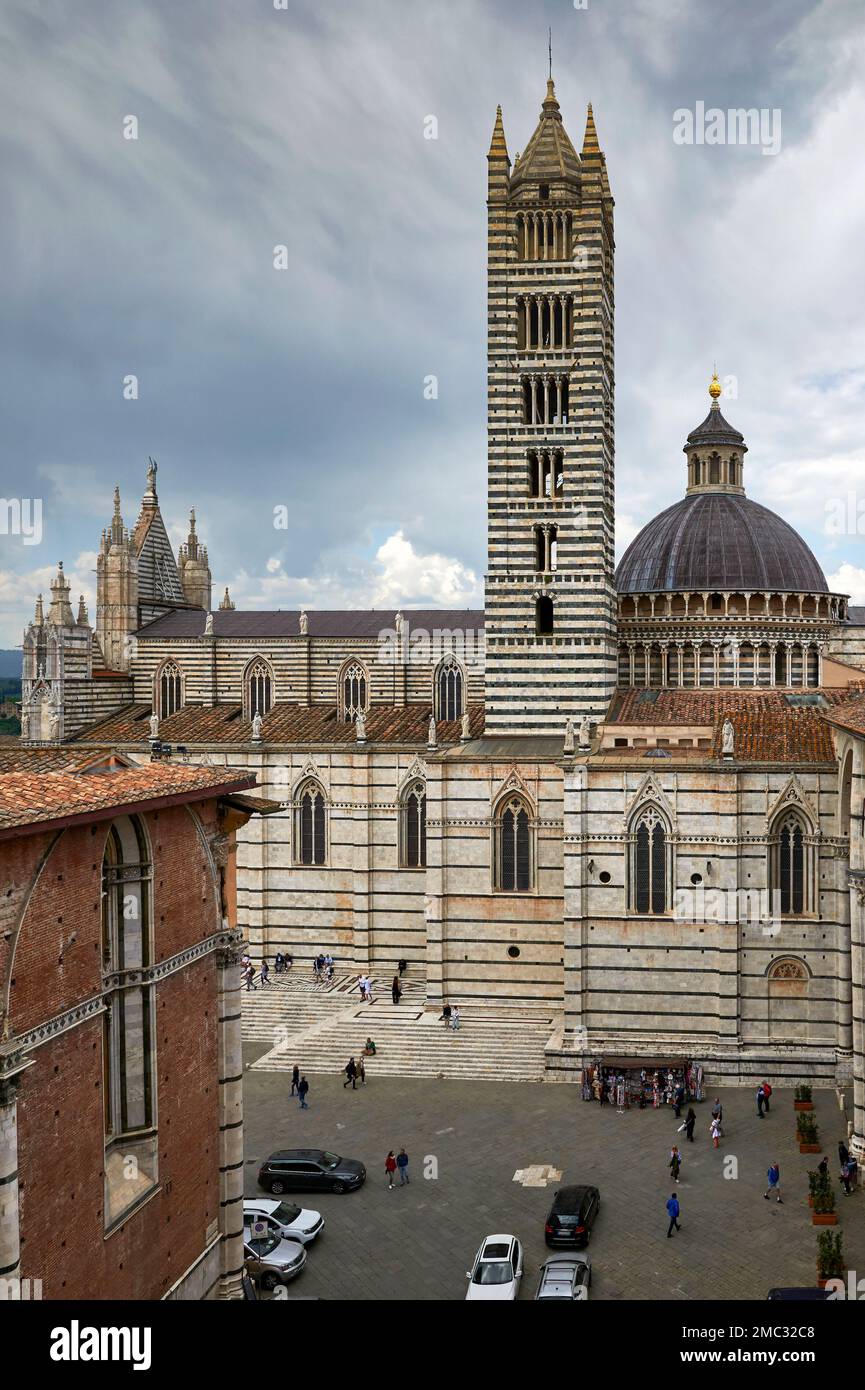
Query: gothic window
(258, 688)
(512, 854)
(449, 690)
(792, 866)
(650, 858)
(169, 689)
(413, 827)
(543, 615)
(353, 691)
(129, 1023)
(310, 825)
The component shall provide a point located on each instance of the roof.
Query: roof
(37, 799)
(549, 155)
(286, 723)
(718, 541)
(716, 430)
(849, 713)
(855, 616)
(766, 727)
(339, 622)
(16, 756)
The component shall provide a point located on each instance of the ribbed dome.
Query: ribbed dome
(717, 541)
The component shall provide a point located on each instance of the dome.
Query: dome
(718, 541)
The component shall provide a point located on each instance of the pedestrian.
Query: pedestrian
(675, 1163)
(390, 1168)
(350, 1070)
(843, 1152)
(678, 1100)
(265, 972)
(455, 1019)
(761, 1101)
(369, 1048)
(402, 1165)
(715, 1131)
(774, 1189)
(673, 1213)
(361, 1071)
(278, 962)
(295, 1079)
(767, 1092)
(395, 990)
(445, 1016)
(402, 966)
(302, 1089)
(250, 976)
(690, 1121)
(823, 1167)
(718, 1114)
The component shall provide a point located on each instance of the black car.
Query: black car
(310, 1170)
(572, 1216)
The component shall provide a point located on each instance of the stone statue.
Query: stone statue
(431, 737)
(304, 624)
(569, 736)
(256, 727)
(585, 728)
(360, 727)
(53, 722)
(465, 733)
(25, 722)
(154, 725)
(208, 625)
(727, 737)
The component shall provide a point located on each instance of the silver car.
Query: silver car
(565, 1279)
(292, 1222)
(270, 1259)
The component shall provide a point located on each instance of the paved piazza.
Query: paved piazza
(417, 1242)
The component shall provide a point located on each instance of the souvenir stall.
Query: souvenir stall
(642, 1082)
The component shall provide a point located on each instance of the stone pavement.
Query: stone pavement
(417, 1242)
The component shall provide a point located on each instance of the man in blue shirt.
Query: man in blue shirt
(673, 1212)
(402, 1165)
(774, 1176)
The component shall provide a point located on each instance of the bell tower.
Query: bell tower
(550, 598)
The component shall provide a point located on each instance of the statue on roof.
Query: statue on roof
(154, 725)
(208, 625)
(727, 739)
(568, 746)
(256, 727)
(304, 624)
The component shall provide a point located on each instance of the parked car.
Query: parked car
(497, 1270)
(565, 1278)
(310, 1170)
(572, 1216)
(292, 1222)
(270, 1259)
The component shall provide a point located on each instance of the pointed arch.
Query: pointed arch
(514, 849)
(412, 824)
(259, 688)
(450, 685)
(168, 688)
(310, 823)
(353, 690)
(792, 862)
(650, 860)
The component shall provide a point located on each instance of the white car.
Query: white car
(292, 1222)
(497, 1270)
(268, 1258)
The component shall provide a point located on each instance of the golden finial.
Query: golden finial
(715, 387)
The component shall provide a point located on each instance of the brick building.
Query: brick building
(121, 1118)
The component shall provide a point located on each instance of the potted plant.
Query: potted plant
(802, 1098)
(816, 1181)
(824, 1213)
(830, 1257)
(807, 1135)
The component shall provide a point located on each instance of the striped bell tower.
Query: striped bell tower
(550, 601)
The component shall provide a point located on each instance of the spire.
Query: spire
(150, 498)
(191, 548)
(715, 450)
(550, 105)
(549, 157)
(39, 618)
(590, 139)
(118, 530)
(83, 620)
(498, 144)
(226, 602)
(60, 612)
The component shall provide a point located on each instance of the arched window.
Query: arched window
(791, 866)
(169, 690)
(449, 689)
(258, 688)
(353, 691)
(650, 875)
(413, 827)
(512, 861)
(846, 792)
(543, 615)
(310, 825)
(129, 1083)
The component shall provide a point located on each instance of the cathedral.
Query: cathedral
(620, 798)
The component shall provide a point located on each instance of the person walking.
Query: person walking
(265, 973)
(361, 1071)
(455, 1019)
(675, 1163)
(774, 1189)
(250, 976)
(767, 1092)
(395, 990)
(402, 1165)
(843, 1152)
(673, 1210)
(823, 1167)
(402, 966)
(295, 1080)
(390, 1168)
(350, 1070)
(718, 1113)
(678, 1100)
(715, 1131)
(445, 1016)
(302, 1089)
(761, 1101)
(690, 1121)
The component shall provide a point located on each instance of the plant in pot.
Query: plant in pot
(824, 1213)
(802, 1098)
(830, 1257)
(807, 1134)
(816, 1181)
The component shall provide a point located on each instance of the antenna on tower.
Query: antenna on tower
(550, 46)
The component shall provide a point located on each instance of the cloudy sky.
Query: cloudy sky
(261, 125)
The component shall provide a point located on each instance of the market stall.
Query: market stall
(642, 1081)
